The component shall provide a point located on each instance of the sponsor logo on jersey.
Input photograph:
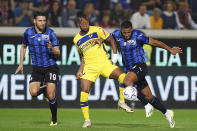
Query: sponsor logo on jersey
(45, 37)
(131, 42)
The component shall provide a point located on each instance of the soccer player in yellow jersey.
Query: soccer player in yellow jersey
(95, 61)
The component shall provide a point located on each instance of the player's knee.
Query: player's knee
(33, 92)
(128, 81)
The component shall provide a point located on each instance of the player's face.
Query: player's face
(84, 24)
(40, 22)
(126, 32)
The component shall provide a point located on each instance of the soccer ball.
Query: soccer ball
(130, 93)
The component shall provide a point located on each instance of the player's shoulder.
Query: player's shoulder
(116, 32)
(76, 37)
(95, 28)
(137, 32)
(49, 30)
(29, 30)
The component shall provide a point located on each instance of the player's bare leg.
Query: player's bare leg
(34, 88)
(147, 92)
(119, 75)
(130, 79)
(52, 102)
(116, 73)
(86, 86)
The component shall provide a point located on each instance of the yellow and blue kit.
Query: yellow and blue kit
(95, 56)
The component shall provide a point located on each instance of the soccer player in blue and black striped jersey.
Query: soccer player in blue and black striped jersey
(44, 49)
(131, 43)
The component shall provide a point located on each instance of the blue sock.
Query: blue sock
(157, 104)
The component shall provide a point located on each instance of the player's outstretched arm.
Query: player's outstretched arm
(114, 48)
(55, 50)
(22, 55)
(80, 71)
(175, 50)
(113, 44)
(160, 44)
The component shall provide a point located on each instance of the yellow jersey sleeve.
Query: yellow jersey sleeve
(75, 43)
(102, 33)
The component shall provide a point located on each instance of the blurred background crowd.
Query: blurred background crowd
(144, 14)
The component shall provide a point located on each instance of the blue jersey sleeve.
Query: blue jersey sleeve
(115, 34)
(25, 38)
(142, 38)
(54, 39)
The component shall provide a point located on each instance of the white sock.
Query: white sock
(148, 104)
(166, 112)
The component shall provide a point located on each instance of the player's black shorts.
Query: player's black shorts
(45, 74)
(140, 69)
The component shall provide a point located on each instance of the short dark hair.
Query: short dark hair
(38, 13)
(126, 24)
(81, 15)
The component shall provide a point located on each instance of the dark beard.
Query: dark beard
(41, 30)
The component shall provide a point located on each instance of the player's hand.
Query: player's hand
(49, 45)
(114, 59)
(20, 68)
(175, 50)
(97, 41)
(79, 75)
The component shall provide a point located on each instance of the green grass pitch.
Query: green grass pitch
(102, 120)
